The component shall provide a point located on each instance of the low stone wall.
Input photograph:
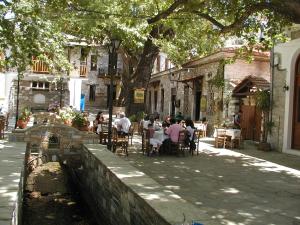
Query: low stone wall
(120, 194)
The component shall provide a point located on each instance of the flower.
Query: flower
(54, 107)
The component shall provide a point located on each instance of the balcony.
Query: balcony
(39, 66)
(83, 70)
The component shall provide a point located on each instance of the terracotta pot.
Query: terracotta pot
(22, 124)
(68, 122)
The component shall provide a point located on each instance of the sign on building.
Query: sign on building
(139, 95)
(203, 103)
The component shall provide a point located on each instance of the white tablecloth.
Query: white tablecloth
(159, 135)
(200, 126)
(234, 133)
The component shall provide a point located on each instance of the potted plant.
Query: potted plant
(80, 122)
(24, 118)
(67, 115)
(263, 103)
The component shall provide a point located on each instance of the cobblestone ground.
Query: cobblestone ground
(50, 199)
(233, 187)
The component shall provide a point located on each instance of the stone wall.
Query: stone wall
(276, 137)
(120, 194)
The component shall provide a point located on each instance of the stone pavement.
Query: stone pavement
(11, 165)
(233, 187)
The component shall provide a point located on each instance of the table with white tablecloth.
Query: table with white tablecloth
(233, 133)
(160, 135)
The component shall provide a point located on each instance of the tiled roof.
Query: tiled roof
(249, 85)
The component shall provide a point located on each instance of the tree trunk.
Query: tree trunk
(142, 74)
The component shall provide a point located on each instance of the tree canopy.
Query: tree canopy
(181, 28)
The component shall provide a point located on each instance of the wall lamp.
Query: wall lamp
(285, 87)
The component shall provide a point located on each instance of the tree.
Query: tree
(25, 33)
(181, 28)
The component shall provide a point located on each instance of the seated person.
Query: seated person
(166, 122)
(157, 124)
(153, 141)
(123, 124)
(173, 133)
(146, 122)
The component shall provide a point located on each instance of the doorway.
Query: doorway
(296, 110)
(198, 93)
(251, 122)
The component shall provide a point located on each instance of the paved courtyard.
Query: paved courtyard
(239, 187)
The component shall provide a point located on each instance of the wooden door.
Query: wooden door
(296, 112)
(250, 123)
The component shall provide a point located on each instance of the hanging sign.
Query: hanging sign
(203, 103)
(139, 95)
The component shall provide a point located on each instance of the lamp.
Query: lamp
(285, 87)
(112, 69)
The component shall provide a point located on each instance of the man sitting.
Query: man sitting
(123, 124)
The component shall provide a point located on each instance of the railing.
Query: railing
(39, 66)
(83, 70)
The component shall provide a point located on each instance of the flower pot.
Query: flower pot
(68, 122)
(22, 124)
(264, 146)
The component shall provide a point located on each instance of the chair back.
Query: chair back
(182, 137)
(197, 135)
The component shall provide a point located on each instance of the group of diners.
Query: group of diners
(162, 135)
(121, 122)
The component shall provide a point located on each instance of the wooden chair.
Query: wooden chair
(103, 135)
(130, 134)
(2, 128)
(146, 146)
(119, 141)
(182, 145)
(221, 139)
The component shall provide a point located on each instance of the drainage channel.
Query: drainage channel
(50, 197)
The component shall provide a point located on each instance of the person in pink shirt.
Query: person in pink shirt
(173, 130)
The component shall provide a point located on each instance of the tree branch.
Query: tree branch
(167, 12)
(239, 22)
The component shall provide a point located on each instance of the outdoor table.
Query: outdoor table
(160, 135)
(233, 133)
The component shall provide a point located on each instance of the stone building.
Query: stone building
(203, 87)
(286, 95)
(85, 87)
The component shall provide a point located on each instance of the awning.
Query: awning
(249, 85)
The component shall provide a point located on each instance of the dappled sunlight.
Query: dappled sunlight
(172, 187)
(129, 174)
(230, 190)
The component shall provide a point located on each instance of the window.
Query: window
(162, 99)
(167, 64)
(39, 85)
(158, 63)
(150, 101)
(92, 96)
(155, 100)
(93, 62)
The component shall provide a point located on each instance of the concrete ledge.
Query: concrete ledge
(12, 157)
(125, 195)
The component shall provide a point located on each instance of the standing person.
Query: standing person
(97, 122)
(237, 119)
(123, 124)
(179, 117)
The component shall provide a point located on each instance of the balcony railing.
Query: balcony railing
(83, 70)
(39, 66)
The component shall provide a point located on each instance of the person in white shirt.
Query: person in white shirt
(123, 124)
